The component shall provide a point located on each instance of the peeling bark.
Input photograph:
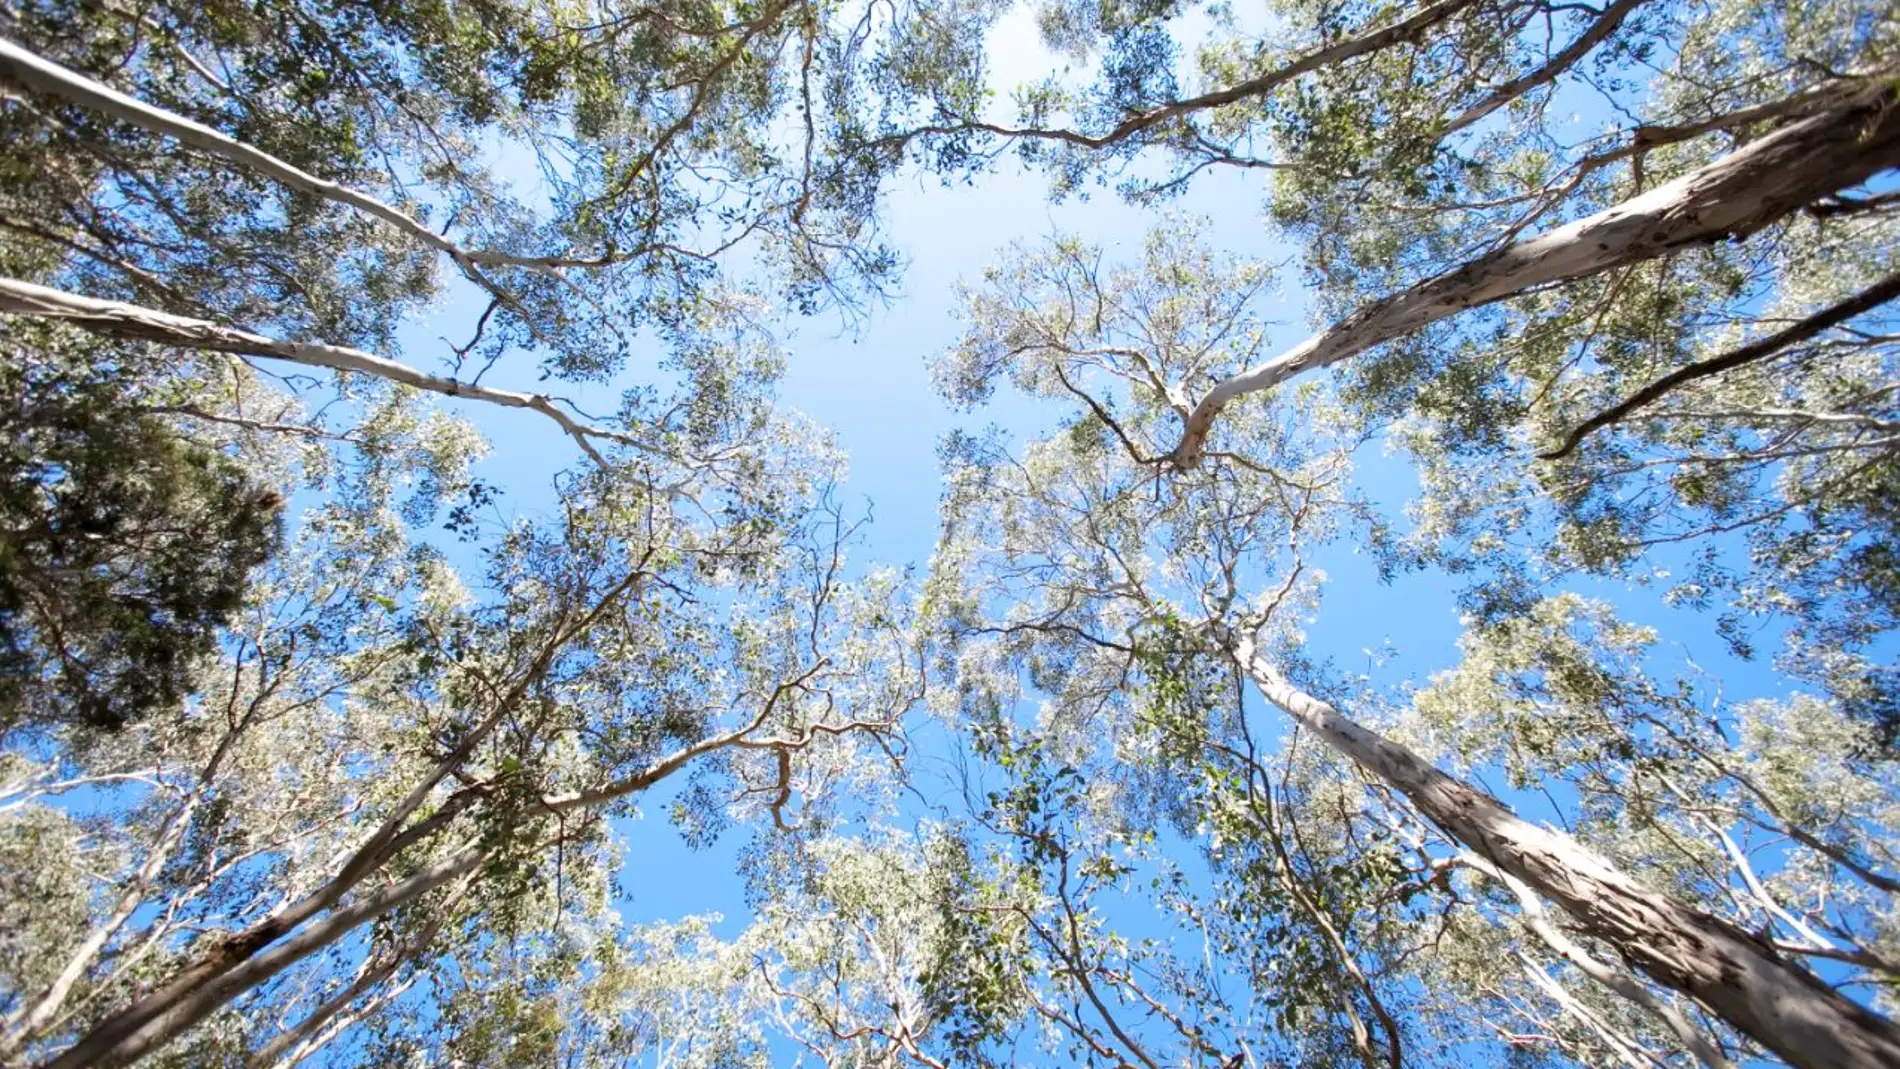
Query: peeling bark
(1537, 919)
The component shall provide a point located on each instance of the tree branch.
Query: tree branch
(1866, 300)
(1606, 24)
(106, 1046)
(1537, 919)
(119, 320)
(39, 73)
(1842, 146)
(1401, 32)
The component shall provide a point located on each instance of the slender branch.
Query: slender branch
(120, 320)
(1866, 300)
(1782, 823)
(343, 1022)
(1108, 420)
(1855, 205)
(1759, 892)
(113, 1047)
(260, 426)
(1079, 969)
(1406, 30)
(37, 72)
(1864, 958)
(671, 763)
(374, 971)
(1626, 1048)
(1606, 24)
(1537, 919)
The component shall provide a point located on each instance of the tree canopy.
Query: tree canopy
(316, 748)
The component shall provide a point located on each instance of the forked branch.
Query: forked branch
(1867, 300)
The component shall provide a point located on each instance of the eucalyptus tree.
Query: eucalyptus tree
(1779, 806)
(300, 178)
(1037, 924)
(1089, 555)
(1607, 266)
(1502, 277)
(291, 183)
(1729, 442)
(388, 792)
(376, 806)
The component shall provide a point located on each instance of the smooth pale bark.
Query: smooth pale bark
(1627, 1049)
(117, 319)
(31, 1019)
(1738, 978)
(236, 950)
(283, 1043)
(37, 72)
(1845, 144)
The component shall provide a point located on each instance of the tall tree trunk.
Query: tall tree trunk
(1845, 143)
(1779, 1004)
(247, 959)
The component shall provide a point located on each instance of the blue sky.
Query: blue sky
(870, 385)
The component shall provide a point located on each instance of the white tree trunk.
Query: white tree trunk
(1741, 980)
(120, 320)
(37, 72)
(1537, 919)
(244, 960)
(1841, 146)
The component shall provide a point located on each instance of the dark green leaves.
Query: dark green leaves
(123, 548)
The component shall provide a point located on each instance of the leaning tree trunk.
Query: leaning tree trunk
(1779, 1004)
(1848, 140)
